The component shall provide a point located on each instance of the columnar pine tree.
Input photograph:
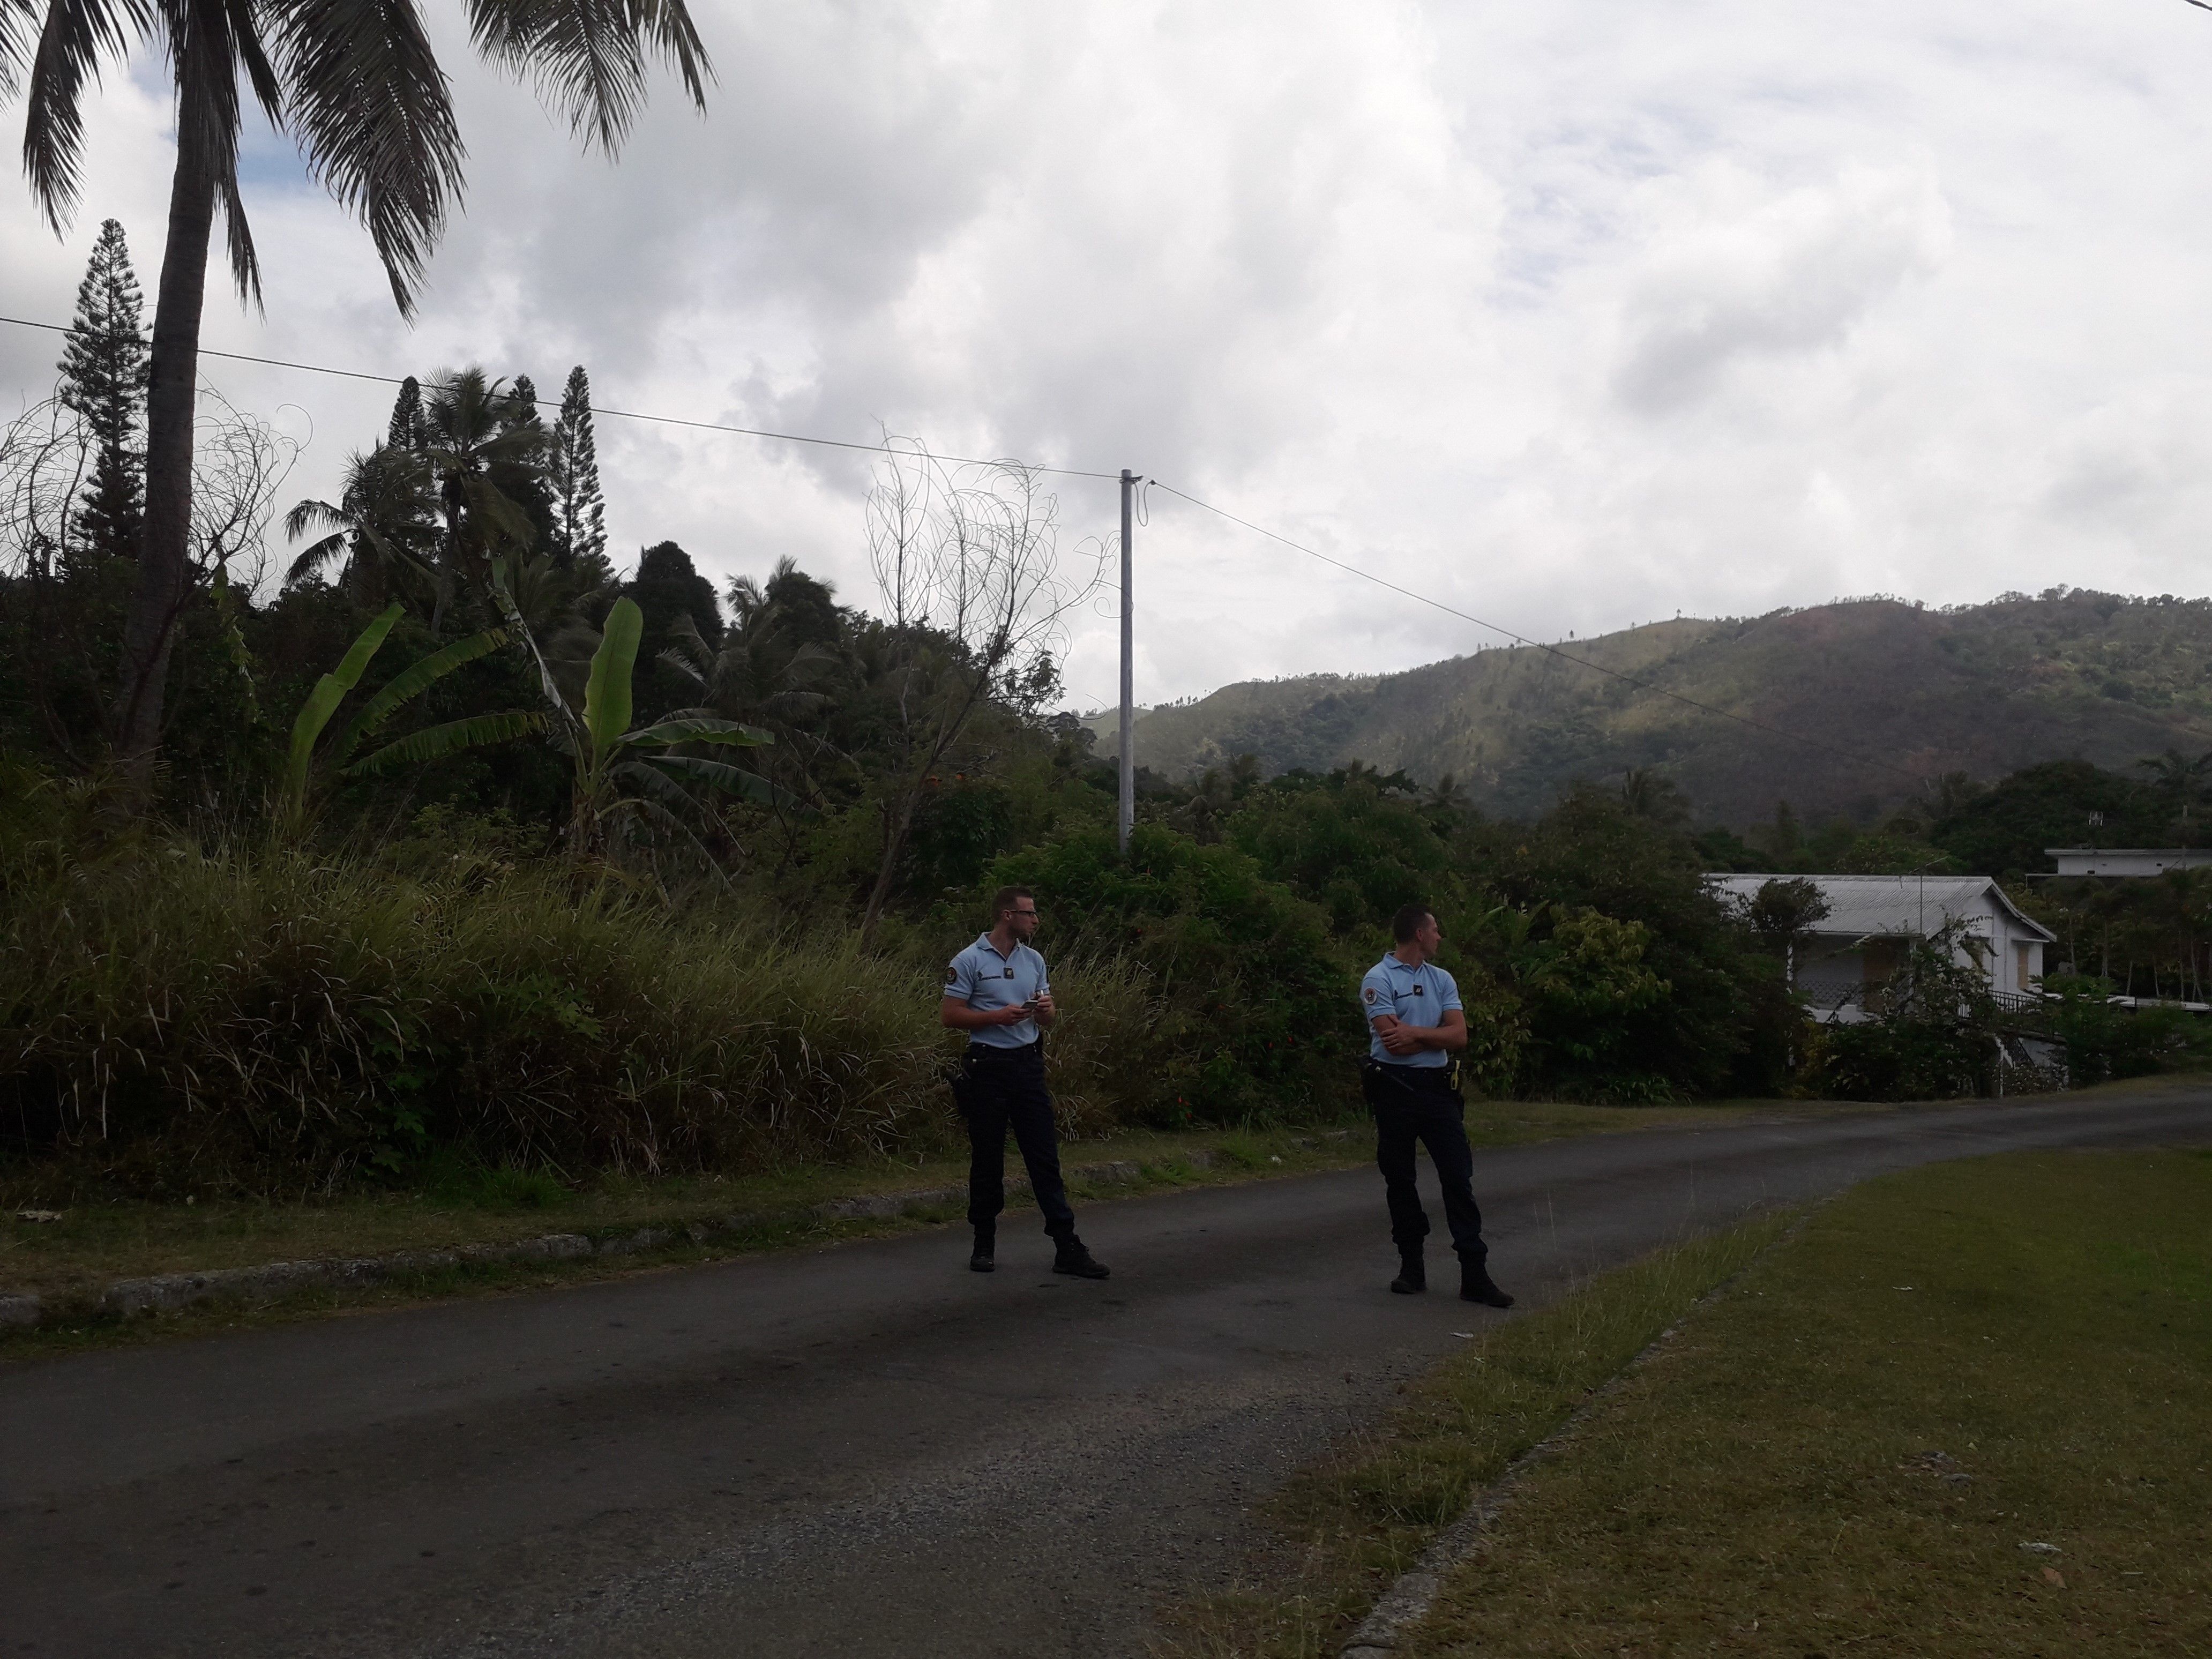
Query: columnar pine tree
(531, 485)
(104, 381)
(579, 512)
(406, 431)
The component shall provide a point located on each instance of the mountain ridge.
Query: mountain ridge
(1842, 709)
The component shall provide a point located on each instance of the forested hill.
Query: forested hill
(1982, 689)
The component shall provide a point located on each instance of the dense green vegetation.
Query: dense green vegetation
(1889, 693)
(466, 844)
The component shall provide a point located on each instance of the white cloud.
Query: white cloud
(1573, 316)
(1734, 273)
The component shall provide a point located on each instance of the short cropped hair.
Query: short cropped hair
(1003, 901)
(1408, 923)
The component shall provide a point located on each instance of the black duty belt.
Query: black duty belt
(1434, 1079)
(995, 1051)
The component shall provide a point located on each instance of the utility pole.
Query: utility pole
(1127, 816)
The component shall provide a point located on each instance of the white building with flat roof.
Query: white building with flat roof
(1859, 944)
(2127, 860)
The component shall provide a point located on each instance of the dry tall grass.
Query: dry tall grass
(325, 1013)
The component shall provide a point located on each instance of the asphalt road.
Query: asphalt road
(859, 1451)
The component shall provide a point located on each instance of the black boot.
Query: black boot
(981, 1260)
(1474, 1285)
(1412, 1277)
(1072, 1258)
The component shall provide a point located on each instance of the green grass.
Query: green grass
(1345, 1529)
(1847, 1453)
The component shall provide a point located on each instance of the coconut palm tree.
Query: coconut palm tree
(358, 88)
(383, 525)
(481, 444)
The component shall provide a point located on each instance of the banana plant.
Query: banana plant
(624, 773)
(434, 742)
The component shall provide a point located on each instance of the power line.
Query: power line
(1520, 639)
(1079, 472)
(612, 414)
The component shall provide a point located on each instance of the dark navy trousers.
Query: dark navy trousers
(1417, 1105)
(1002, 1089)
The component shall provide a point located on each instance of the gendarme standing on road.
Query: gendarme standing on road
(1411, 1079)
(997, 991)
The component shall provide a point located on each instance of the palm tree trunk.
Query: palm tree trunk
(164, 556)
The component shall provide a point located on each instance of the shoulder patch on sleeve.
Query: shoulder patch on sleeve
(952, 973)
(1367, 991)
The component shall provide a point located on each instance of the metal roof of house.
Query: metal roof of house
(1891, 905)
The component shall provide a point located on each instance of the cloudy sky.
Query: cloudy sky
(1572, 314)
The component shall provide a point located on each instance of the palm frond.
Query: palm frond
(211, 42)
(394, 554)
(19, 43)
(314, 558)
(437, 742)
(415, 679)
(311, 513)
(587, 57)
(495, 512)
(76, 34)
(689, 654)
(374, 116)
(238, 243)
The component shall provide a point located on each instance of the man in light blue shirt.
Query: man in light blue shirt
(997, 990)
(1416, 1023)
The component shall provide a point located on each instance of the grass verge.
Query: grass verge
(1345, 1529)
(1853, 1451)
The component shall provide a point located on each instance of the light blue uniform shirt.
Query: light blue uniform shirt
(1418, 996)
(981, 978)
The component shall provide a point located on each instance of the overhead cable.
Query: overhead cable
(614, 414)
(1522, 639)
(1080, 472)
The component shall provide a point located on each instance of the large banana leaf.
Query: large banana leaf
(652, 785)
(696, 728)
(436, 742)
(606, 694)
(323, 703)
(413, 681)
(720, 775)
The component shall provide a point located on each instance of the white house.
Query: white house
(2127, 860)
(1858, 945)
